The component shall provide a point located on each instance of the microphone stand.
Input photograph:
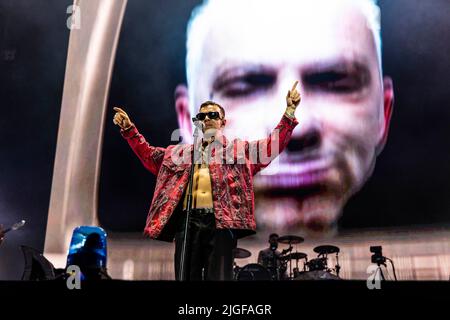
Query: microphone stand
(290, 263)
(182, 266)
(337, 267)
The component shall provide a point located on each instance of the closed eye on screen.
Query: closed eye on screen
(245, 84)
(341, 82)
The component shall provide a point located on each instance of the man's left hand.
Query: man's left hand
(293, 96)
(292, 100)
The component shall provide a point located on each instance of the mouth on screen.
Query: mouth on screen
(299, 177)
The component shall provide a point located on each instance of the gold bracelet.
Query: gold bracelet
(290, 112)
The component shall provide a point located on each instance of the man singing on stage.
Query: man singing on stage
(222, 189)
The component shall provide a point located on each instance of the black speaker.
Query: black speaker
(37, 267)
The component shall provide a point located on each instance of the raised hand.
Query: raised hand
(122, 119)
(293, 96)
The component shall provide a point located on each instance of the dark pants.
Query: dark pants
(209, 250)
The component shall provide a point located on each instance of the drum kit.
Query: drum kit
(314, 269)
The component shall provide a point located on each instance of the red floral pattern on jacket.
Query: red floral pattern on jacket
(231, 177)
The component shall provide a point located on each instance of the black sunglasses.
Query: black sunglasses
(213, 115)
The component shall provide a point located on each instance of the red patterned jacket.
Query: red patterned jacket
(232, 167)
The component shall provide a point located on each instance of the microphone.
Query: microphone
(15, 226)
(199, 124)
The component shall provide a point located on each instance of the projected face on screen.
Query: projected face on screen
(246, 54)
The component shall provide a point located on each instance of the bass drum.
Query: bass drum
(253, 272)
(316, 275)
(319, 264)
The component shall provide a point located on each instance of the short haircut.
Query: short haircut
(274, 235)
(212, 103)
(204, 15)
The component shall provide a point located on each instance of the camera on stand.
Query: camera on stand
(377, 256)
(380, 260)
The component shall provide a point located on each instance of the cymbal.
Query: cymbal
(239, 253)
(326, 249)
(290, 239)
(295, 256)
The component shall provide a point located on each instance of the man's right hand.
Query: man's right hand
(122, 119)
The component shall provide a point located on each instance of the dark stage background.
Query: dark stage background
(410, 185)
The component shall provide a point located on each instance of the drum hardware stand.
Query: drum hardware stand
(290, 262)
(235, 270)
(296, 266)
(325, 257)
(290, 239)
(296, 269)
(337, 267)
(326, 263)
